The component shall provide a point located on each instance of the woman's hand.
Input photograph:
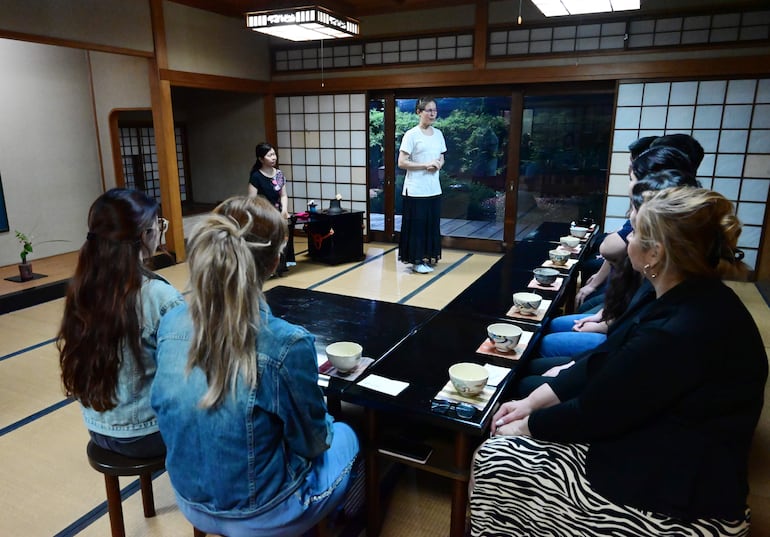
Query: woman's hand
(542, 397)
(595, 318)
(285, 213)
(597, 328)
(585, 291)
(516, 428)
(557, 368)
(510, 412)
(433, 165)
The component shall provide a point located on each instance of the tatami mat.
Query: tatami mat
(50, 490)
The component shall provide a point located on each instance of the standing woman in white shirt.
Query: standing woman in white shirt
(422, 156)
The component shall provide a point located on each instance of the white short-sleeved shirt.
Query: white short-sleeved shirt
(422, 148)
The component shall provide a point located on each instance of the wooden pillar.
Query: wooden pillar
(481, 27)
(163, 123)
(271, 129)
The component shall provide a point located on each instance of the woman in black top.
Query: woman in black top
(650, 433)
(268, 181)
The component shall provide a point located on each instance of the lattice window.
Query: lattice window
(391, 51)
(140, 159)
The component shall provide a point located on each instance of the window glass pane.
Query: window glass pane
(563, 163)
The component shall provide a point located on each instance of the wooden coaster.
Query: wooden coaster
(575, 250)
(555, 286)
(449, 393)
(550, 264)
(538, 316)
(487, 347)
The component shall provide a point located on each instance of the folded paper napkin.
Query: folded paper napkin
(327, 368)
(448, 393)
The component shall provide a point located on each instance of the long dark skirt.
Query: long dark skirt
(420, 230)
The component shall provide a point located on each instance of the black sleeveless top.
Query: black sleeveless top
(268, 187)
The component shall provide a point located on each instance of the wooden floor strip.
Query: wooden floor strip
(27, 349)
(37, 415)
(435, 279)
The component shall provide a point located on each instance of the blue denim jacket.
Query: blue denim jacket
(249, 453)
(133, 416)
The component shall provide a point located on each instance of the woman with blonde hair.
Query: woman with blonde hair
(650, 433)
(252, 450)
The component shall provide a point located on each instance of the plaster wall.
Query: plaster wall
(48, 151)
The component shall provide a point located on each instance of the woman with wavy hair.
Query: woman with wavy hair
(650, 433)
(252, 450)
(107, 338)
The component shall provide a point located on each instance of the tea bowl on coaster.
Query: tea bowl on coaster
(468, 378)
(504, 336)
(569, 241)
(578, 231)
(545, 276)
(558, 257)
(344, 355)
(527, 303)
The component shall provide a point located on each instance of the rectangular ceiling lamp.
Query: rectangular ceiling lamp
(556, 8)
(308, 23)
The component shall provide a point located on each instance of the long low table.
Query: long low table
(417, 346)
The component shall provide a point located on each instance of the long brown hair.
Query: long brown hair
(102, 309)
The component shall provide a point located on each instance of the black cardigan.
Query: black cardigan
(669, 404)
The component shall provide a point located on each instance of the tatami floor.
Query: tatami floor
(48, 488)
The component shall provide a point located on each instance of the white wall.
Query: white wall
(48, 152)
(222, 130)
(203, 42)
(119, 82)
(116, 23)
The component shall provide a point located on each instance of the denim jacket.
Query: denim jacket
(254, 449)
(133, 416)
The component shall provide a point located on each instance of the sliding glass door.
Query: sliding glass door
(513, 161)
(563, 158)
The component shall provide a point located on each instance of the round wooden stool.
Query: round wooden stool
(112, 465)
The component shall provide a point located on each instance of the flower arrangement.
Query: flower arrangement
(26, 243)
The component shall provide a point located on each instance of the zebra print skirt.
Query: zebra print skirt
(527, 487)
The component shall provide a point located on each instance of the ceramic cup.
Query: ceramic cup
(344, 355)
(578, 231)
(545, 276)
(505, 336)
(527, 303)
(558, 257)
(468, 378)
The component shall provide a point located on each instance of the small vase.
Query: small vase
(25, 271)
(334, 207)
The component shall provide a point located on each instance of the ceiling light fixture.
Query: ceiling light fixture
(307, 23)
(556, 8)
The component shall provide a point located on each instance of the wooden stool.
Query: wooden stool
(112, 465)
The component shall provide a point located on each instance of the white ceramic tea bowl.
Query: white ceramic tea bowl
(578, 231)
(468, 378)
(558, 257)
(344, 355)
(527, 303)
(505, 336)
(569, 241)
